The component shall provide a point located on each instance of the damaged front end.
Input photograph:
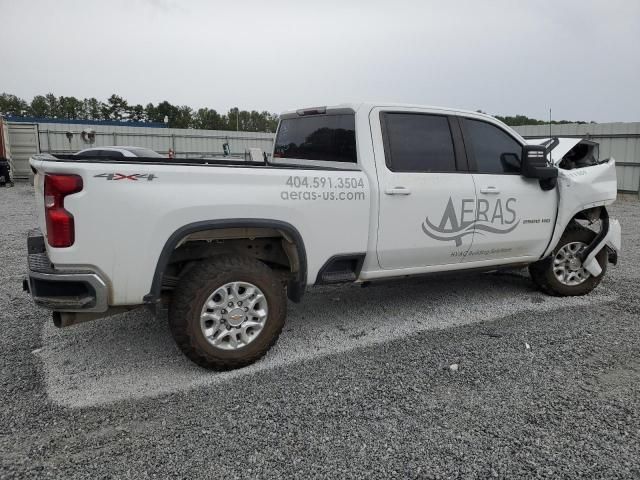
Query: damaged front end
(586, 186)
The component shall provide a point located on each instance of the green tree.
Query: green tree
(116, 108)
(183, 118)
(233, 119)
(39, 107)
(137, 114)
(517, 120)
(71, 108)
(207, 119)
(164, 109)
(53, 106)
(12, 105)
(92, 109)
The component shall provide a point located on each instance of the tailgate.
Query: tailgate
(38, 187)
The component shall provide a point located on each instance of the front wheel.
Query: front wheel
(562, 273)
(227, 312)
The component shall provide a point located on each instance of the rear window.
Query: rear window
(329, 138)
(98, 153)
(144, 152)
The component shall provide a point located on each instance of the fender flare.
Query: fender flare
(295, 288)
(608, 236)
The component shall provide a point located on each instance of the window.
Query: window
(90, 152)
(111, 154)
(493, 149)
(330, 138)
(418, 143)
(144, 152)
(99, 153)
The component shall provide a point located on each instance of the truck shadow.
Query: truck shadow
(133, 355)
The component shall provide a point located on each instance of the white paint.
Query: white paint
(335, 212)
(133, 356)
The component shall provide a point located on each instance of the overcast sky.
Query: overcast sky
(578, 57)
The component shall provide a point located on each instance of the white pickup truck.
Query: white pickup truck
(352, 193)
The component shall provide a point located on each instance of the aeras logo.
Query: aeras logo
(480, 217)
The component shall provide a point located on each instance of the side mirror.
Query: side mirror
(535, 165)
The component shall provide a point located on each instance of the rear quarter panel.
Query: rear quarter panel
(122, 225)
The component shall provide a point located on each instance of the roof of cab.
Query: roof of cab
(368, 106)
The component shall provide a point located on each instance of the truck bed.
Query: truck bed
(129, 209)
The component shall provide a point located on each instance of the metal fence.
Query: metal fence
(186, 143)
(618, 140)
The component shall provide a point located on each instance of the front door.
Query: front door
(426, 195)
(514, 216)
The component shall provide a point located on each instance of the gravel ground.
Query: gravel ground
(359, 385)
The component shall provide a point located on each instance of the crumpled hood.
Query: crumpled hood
(560, 150)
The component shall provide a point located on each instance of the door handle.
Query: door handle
(489, 190)
(398, 191)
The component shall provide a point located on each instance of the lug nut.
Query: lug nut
(239, 304)
(246, 309)
(230, 304)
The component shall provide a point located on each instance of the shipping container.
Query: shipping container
(6, 167)
(23, 141)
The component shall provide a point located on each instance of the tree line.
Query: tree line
(518, 120)
(524, 120)
(117, 108)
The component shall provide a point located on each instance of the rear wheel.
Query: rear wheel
(562, 273)
(227, 312)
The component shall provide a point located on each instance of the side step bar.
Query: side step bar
(341, 268)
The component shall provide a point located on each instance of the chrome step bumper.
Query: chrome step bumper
(62, 290)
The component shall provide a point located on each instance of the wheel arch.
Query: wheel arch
(599, 212)
(296, 286)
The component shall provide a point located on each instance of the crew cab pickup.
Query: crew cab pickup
(352, 193)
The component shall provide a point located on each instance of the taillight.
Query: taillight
(60, 226)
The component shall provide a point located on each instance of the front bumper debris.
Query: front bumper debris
(612, 240)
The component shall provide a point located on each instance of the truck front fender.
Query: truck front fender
(581, 190)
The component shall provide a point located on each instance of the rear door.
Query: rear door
(514, 215)
(426, 194)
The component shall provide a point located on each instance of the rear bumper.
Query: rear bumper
(62, 290)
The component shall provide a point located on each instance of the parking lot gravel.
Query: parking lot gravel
(461, 377)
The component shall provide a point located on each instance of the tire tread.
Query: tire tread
(543, 278)
(183, 307)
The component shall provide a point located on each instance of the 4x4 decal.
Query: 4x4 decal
(121, 176)
(499, 219)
